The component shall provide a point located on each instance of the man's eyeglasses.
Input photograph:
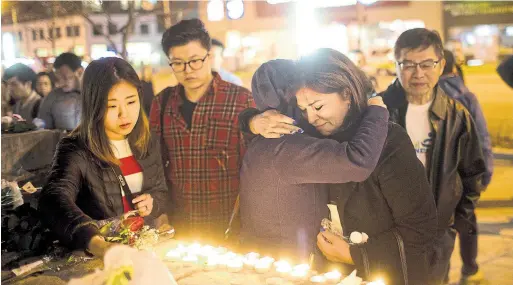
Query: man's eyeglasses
(425, 65)
(195, 64)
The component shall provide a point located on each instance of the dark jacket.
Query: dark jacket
(282, 198)
(81, 189)
(455, 163)
(454, 87)
(395, 208)
(505, 70)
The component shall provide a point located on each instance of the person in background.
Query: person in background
(203, 145)
(7, 101)
(45, 83)
(452, 84)
(505, 71)
(61, 108)
(147, 86)
(20, 81)
(444, 135)
(109, 165)
(217, 51)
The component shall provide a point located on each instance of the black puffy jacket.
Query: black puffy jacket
(82, 189)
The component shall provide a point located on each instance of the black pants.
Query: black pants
(467, 232)
(440, 257)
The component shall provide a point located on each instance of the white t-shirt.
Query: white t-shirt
(419, 129)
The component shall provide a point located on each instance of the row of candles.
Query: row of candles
(212, 258)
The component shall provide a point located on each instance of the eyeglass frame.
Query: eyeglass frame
(436, 62)
(188, 63)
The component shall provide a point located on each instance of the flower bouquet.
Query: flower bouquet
(128, 229)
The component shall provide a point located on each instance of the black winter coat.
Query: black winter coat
(395, 208)
(81, 189)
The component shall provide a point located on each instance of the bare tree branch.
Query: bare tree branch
(107, 37)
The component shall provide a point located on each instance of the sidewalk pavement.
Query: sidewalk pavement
(495, 218)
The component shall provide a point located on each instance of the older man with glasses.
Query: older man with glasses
(202, 144)
(444, 136)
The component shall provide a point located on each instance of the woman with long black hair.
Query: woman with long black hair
(109, 165)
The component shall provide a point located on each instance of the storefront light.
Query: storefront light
(215, 10)
(8, 46)
(483, 31)
(509, 31)
(235, 9)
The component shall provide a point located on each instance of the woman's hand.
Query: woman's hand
(143, 203)
(272, 124)
(376, 101)
(98, 246)
(334, 248)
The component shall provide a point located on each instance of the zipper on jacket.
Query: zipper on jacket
(402, 255)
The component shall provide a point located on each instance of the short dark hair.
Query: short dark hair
(329, 71)
(50, 75)
(218, 43)
(99, 78)
(184, 32)
(419, 38)
(449, 62)
(70, 59)
(22, 72)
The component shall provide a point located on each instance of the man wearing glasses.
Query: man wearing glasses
(444, 136)
(202, 144)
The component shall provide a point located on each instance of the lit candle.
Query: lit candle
(318, 279)
(377, 282)
(194, 249)
(234, 265)
(333, 276)
(173, 255)
(250, 259)
(181, 248)
(283, 268)
(262, 265)
(190, 258)
(298, 274)
(211, 264)
(302, 267)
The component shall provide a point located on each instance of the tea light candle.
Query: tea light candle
(190, 258)
(318, 279)
(174, 255)
(302, 267)
(234, 265)
(250, 259)
(252, 255)
(262, 266)
(333, 276)
(298, 274)
(181, 248)
(283, 269)
(377, 282)
(211, 264)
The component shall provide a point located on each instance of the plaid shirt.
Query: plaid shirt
(204, 161)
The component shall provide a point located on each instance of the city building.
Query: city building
(287, 29)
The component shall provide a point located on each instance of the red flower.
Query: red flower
(134, 224)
